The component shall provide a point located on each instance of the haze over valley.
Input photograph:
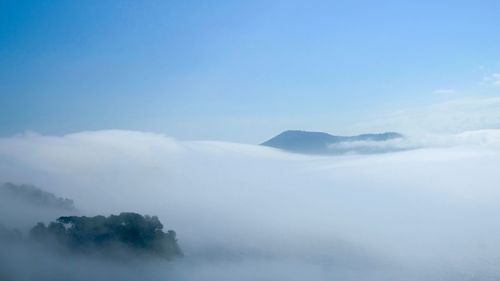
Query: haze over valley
(250, 212)
(263, 140)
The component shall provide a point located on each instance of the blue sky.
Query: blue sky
(238, 70)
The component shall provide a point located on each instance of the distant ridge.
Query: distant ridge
(34, 196)
(319, 142)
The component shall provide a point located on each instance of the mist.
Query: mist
(426, 211)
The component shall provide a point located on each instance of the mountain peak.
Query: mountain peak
(320, 142)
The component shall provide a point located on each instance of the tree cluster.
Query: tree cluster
(112, 235)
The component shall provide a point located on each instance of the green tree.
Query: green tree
(136, 233)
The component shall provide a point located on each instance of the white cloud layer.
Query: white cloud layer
(245, 212)
(454, 116)
(493, 79)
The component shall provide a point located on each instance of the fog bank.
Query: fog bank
(245, 212)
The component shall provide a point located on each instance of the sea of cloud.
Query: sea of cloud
(428, 209)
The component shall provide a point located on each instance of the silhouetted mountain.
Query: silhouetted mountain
(323, 143)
